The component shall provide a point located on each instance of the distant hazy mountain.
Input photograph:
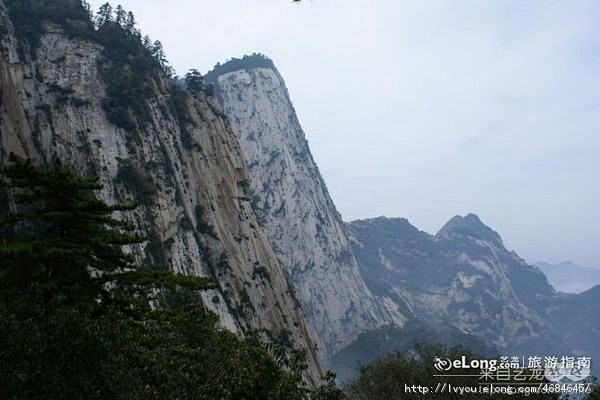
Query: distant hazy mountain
(464, 277)
(570, 278)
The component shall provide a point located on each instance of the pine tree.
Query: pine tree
(120, 16)
(61, 231)
(147, 43)
(194, 81)
(130, 24)
(159, 53)
(87, 8)
(104, 15)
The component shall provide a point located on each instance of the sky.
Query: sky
(428, 109)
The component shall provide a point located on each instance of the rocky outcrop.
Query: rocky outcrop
(297, 213)
(180, 161)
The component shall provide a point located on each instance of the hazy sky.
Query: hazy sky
(428, 109)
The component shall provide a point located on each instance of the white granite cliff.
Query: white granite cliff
(194, 208)
(297, 213)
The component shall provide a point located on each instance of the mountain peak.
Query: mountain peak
(563, 264)
(387, 221)
(255, 60)
(469, 225)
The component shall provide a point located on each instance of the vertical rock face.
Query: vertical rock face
(298, 215)
(181, 163)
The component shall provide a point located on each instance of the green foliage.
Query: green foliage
(209, 90)
(194, 81)
(104, 14)
(255, 60)
(47, 109)
(185, 224)
(3, 31)
(27, 17)
(38, 76)
(178, 101)
(130, 67)
(595, 395)
(129, 72)
(284, 338)
(328, 389)
(245, 308)
(63, 229)
(134, 333)
(4, 201)
(62, 93)
(155, 251)
(261, 272)
(147, 277)
(53, 87)
(386, 378)
(171, 353)
(202, 225)
(142, 186)
(77, 102)
(223, 263)
(250, 196)
(245, 185)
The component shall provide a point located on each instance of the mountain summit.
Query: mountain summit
(255, 60)
(469, 225)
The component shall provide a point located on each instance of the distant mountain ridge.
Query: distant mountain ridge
(465, 277)
(568, 277)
